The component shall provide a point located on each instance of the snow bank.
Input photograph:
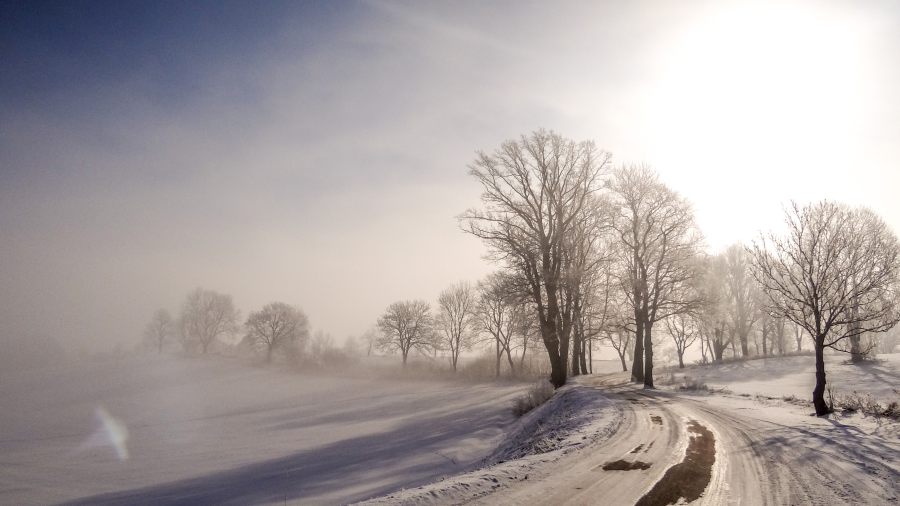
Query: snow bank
(574, 417)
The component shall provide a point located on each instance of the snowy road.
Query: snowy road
(763, 455)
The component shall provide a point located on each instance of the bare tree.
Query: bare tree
(741, 293)
(503, 313)
(456, 318)
(713, 315)
(659, 245)
(370, 338)
(206, 315)
(588, 256)
(535, 189)
(277, 326)
(608, 314)
(406, 325)
(495, 314)
(160, 329)
(684, 331)
(835, 274)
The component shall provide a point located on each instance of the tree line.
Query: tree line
(592, 252)
(207, 318)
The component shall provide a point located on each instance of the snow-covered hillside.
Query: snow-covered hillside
(172, 430)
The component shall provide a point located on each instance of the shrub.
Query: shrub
(667, 379)
(538, 394)
(689, 383)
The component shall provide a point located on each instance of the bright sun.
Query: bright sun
(757, 91)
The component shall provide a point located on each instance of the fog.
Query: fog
(317, 154)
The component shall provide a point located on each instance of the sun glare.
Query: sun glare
(755, 91)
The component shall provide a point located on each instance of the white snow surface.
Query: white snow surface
(173, 430)
(170, 430)
(834, 460)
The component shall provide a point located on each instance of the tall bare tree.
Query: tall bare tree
(206, 315)
(712, 317)
(406, 325)
(456, 318)
(835, 274)
(277, 326)
(660, 243)
(741, 293)
(535, 190)
(160, 329)
(588, 252)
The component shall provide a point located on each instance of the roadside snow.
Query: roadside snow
(832, 461)
(574, 417)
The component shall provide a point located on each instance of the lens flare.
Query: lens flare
(112, 432)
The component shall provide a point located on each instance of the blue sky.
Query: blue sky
(315, 153)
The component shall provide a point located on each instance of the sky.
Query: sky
(316, 153)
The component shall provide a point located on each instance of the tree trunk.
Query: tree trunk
(573, 308)
(269, 355)
(681, 359)
(576, 353)
(584, 352)
(856, 355)
(745, 351)
(590, 350)
(499, 356)
(557, 350)
(512, 367)
(648, 358)
(557, 363)
(637, 365)
(718, 345)
(405, 353)
(624, 366)
(819, 391)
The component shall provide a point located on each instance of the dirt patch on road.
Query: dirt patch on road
(621, 465)
(689, 478)
(656, 419)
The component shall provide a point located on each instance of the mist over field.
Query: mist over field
(462, 253)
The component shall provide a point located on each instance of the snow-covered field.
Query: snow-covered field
(172, 430)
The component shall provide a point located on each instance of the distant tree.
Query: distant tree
(276, 326)
(610, 317)
(160, 329)
(206, 315)
(620, 340)
(712, 316)
(352, 346)
(741, 293)
(835, 274)
(370, 338)
(501, 314)
(322, 350)
(772, 327)
(660, 243)
(683, 329)
(406, 325)
(456, 318)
